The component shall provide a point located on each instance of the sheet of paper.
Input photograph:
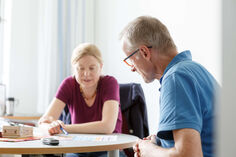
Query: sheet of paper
(19, 139)
(96, 138)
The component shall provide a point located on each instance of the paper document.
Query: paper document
(96, 138)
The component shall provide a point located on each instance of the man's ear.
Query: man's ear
(145, 52)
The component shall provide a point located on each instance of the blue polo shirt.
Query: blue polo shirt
(187, 101)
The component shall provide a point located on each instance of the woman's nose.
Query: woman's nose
(86, 73)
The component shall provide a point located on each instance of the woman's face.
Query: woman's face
(87, 71)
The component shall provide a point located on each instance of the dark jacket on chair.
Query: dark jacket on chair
(134, 112)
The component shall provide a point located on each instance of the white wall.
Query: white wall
(194, 25)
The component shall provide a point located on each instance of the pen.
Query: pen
(64, 131)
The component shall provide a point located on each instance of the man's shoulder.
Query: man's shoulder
(182, 68)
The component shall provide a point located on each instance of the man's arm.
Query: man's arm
(187, 143)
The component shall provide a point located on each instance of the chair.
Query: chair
(65, 116)
(134, 112)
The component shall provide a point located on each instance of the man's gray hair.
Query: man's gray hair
(148, 31)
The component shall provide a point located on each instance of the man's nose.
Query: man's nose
(133, 69)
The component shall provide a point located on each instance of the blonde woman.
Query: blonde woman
(92, 99)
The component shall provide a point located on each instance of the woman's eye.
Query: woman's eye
(80, 69)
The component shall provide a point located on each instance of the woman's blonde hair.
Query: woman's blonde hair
(85, 49)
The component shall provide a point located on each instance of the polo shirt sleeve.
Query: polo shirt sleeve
(111, 89)
(180, 105)
(64, 92)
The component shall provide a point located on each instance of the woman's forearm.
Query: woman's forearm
(91, 127)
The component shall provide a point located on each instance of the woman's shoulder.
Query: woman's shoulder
(108, 79)
(109, 87)
(69, 80)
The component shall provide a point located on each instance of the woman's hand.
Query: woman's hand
(49, 125)
(45, 119)
(55, 127)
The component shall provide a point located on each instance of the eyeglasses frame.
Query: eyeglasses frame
(132, 55)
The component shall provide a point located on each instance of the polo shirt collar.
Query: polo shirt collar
(185, 55)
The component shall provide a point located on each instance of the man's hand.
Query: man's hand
(143, 148)
(150, 139)
(187, 143)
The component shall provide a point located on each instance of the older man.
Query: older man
(186, 95)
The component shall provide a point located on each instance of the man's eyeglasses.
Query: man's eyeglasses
(126, 59)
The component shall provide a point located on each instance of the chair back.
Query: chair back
(134, 112)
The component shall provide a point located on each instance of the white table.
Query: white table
(71, 146)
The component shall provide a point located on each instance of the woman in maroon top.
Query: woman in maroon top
(92, 99)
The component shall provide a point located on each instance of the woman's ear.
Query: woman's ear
(101, 66)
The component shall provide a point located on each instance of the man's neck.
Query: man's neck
(162, 60)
